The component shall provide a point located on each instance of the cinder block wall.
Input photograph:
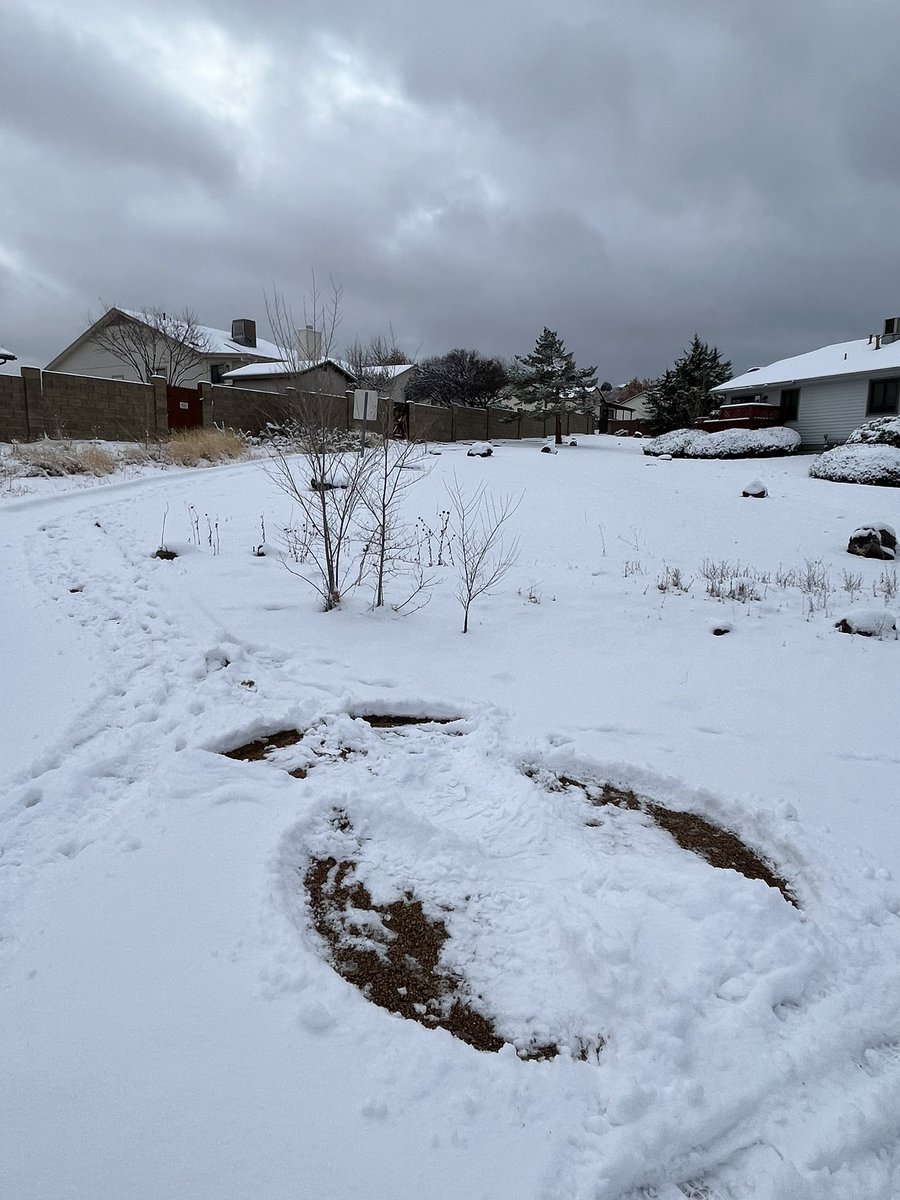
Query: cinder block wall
(429, 423)
(13, 413)
(470, 424)
(81, 406)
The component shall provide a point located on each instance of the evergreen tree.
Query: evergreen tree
(679, 396)
(462, 377)
(548, 377)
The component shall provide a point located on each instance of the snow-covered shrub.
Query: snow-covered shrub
(882, 431)
(859, 463)
(726, 443)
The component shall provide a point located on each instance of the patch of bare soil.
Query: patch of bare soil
(257, 750)
(391, 952)
(392, 721)
(719, 847)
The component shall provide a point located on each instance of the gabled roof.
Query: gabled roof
(843, 358)
(286, 367)
(220, 342)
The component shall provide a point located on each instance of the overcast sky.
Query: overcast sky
(626, 173)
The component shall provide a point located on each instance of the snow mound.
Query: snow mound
(727, 443)
(859, 463)
(480, 450)
(868, 622)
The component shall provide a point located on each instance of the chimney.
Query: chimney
(243, 331)
(309, 343)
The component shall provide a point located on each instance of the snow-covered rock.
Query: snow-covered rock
(755, 488)
(548, 449)
(877, 540)
(480, 450)
(727, 443)
(868, 622)
(859, 463)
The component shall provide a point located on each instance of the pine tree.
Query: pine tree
(681, 394)
(548, 377)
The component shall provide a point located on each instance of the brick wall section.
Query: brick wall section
(48, 403)
(531, 427)
(13, 414)
(470, 424)
(251, 411)
(80, 406)
(429, 423)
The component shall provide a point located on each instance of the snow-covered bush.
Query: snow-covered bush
(883, 431)
(727, 443)
(859, 463)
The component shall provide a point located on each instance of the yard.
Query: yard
(198, 940)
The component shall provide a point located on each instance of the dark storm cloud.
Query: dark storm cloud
(627, 174)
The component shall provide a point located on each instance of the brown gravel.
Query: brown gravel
(395, 962)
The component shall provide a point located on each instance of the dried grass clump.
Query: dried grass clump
(55, 458)
(199, 447)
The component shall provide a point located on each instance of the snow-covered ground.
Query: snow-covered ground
(172, 1026)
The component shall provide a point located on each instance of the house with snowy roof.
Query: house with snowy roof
(318, 373)
(118, 344)
(824, 394)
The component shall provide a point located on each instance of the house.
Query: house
(128, 345)
(824, 394)
(630, 416)
(325, 374)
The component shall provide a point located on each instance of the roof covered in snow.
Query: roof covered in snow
(286, 367)
(219, 341)
(859, 357)
(7, 355)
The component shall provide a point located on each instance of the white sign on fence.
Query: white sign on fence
(365, 405)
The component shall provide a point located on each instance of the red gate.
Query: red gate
(185, 408)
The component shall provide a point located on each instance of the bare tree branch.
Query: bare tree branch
(483, 554)
(155, 342)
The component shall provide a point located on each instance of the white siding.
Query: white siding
(832, 408)
(91, 359)
(828, 407)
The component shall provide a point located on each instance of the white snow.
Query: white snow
(843, 358)
(870, 622)
(172, 1027)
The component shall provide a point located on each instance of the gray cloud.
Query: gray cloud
(625, 174)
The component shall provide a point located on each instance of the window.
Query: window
(883, 395)
(217, 370)
(790, 403)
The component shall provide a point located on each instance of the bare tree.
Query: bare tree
(325, 544)
(155, 342)
(482, 551)
(396, 466)
(371, 362)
